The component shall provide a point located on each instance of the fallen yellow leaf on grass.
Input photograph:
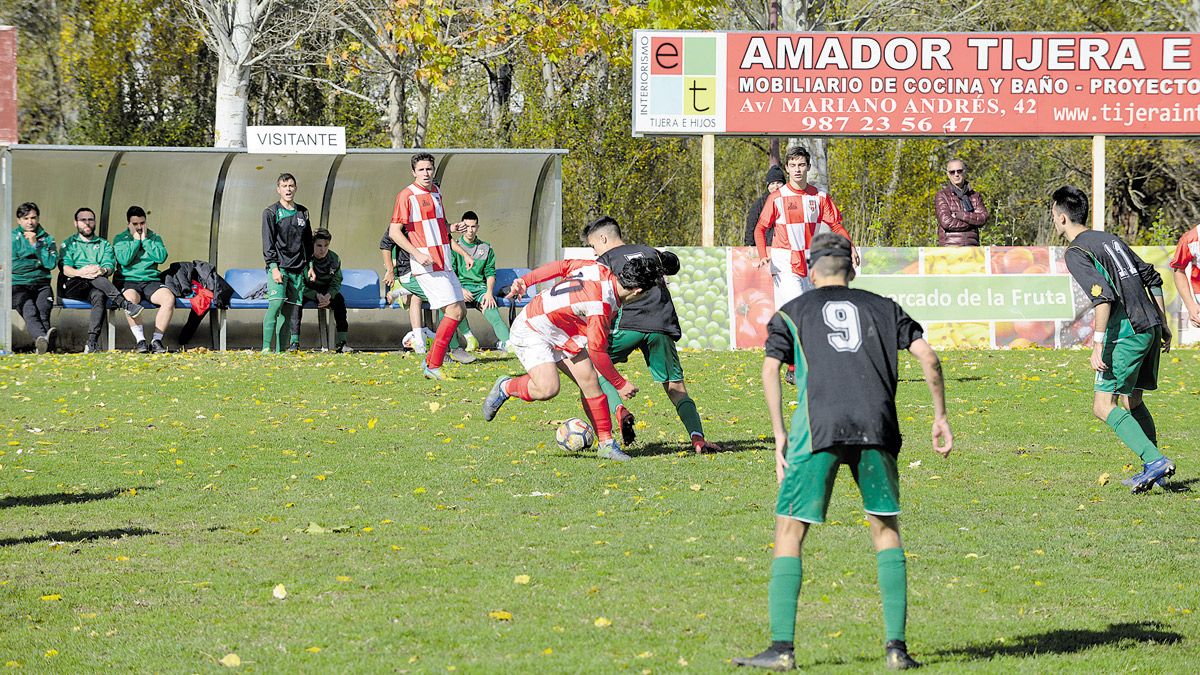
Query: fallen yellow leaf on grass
(52, 598)
(371, 423)
(231, 660)
(313, 650)
(1103, 479)
(521, 579)
(51, 653)
(343, 578)
(602, 622)
(500, 615)
(279, 592)
(695, 487)
(434, 406)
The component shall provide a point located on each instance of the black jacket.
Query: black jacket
(752, 220)
(179, 277)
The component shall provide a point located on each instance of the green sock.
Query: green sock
(497, 322)
(1131, 434)
(783, 594)
(610, 392)
(340, 336)
(1146, 421)
(283, 332)
(271, 320)
(893, 588)
(686, 408)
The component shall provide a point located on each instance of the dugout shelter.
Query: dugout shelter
(207, 204)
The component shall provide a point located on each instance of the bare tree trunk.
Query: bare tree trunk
(395, 108)
(773, 24)
(424, 101)
(804, 16)
(233, 87)
(500, 82)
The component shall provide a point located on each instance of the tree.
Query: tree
(245, 34)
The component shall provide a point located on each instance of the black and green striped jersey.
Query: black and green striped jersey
(1109, 271)
(844, 343)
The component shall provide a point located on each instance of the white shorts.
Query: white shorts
(441, 288)
(788, 285)
(532, 348)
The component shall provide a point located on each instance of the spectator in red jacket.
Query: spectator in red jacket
(960, 210)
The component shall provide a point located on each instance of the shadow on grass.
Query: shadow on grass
(1180, 485)
(78, 535)
(658, 448)
(63, 497)
(1068, 641)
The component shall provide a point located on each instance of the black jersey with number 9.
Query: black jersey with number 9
(844, 343)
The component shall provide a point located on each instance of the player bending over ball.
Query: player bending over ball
(566, 328)
(648, 324)
(1130, 329)
(844, 344)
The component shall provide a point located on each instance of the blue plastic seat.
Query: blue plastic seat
(505, 276)
(244, 282)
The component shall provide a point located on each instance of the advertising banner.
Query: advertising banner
(985, 297)
(927, 84)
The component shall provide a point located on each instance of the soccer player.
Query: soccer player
(87, 261)
(844, 343)
(566, 328)
(419, 227)
(1186, 266)
(34, 256)
(323, 286)
(479, 280)
(1129, 330)
(139, 251)
(399, 280)
(648, 324)
(795, 213)
(287, 249)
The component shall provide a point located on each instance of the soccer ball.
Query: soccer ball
(409, 339)
(575, 435)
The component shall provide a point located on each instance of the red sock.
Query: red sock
(445, 331)
(519, 387)
(587, 413)
(597, 408)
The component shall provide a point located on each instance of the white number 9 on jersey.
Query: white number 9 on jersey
(842, 318)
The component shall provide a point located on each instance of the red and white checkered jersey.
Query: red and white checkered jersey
(1187, 257)
(421, 214)
(561, 313)
(797, 216)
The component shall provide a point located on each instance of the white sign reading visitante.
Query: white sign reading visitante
(296, 140)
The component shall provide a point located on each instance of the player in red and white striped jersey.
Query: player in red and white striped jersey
(419, 227)
(798, 212)
(1186, 263)
(566, 328)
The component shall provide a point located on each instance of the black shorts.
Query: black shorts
(143, 288)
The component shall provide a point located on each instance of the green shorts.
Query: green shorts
(1132, 363)
(808, 482)
(659, 350)
(291, 290)
(409, 283)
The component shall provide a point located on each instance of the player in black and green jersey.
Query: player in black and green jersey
(479, 280)
(323, 285)
(648, 324)
(1130, 330)
(287, 247)
(844, 344)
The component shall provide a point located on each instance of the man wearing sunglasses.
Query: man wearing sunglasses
(960, 210)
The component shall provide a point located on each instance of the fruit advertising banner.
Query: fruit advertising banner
(917, 84)
(980, 297)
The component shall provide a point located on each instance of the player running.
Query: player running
(1130, 330)
(844, 344)
(567, 327)
(419, 227)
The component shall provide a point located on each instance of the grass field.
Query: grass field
(151, 506)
